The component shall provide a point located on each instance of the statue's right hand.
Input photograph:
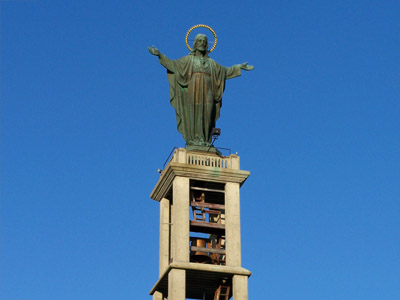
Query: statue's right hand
(153, 50)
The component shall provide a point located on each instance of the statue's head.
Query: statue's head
(200, 42)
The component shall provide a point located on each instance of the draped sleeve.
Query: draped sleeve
(179, 74)
(232, 72)
(220, 74)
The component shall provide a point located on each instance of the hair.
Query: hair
(195, 40)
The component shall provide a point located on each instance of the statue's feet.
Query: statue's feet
(198, 142)
(203, 148)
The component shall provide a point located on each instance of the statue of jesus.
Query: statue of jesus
(197, 83)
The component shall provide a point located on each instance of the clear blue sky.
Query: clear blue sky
(86, 122)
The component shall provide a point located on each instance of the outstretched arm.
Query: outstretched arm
(246, 67)
(235, 70)
(165, 61)
(153, 50)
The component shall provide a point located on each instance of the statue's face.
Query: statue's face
(201, 43)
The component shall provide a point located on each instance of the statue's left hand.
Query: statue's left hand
(153, 50)
(246, 67)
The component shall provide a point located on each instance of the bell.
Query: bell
(199, 256)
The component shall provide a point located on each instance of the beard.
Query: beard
(201, 48)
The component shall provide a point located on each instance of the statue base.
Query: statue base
(210, 149)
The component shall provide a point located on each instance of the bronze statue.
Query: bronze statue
(197, 83)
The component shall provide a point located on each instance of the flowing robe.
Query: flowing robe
(196, 88)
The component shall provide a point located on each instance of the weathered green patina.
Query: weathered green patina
(197, 83)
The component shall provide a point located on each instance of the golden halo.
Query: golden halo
(205, 26)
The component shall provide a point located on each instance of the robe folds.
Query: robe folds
(196, 87)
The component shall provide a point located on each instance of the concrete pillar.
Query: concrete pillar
(180, 220)
(158, 296)
(180, 155)
(164, 234)
(176, 284)
(171, 230)
(235, 162)
(240, 288)
(232, 224)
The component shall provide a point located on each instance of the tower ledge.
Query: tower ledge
(200, 277)
(199, 165)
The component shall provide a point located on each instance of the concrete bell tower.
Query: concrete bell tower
(200, 245)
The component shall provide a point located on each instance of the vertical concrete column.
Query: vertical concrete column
(232, 225)
(240, 287)
(180, 219)
(180, 155)
(235, 162)
(180, 237)
(171, 230)
(165, 224)
(176, 284)
(158, 296)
